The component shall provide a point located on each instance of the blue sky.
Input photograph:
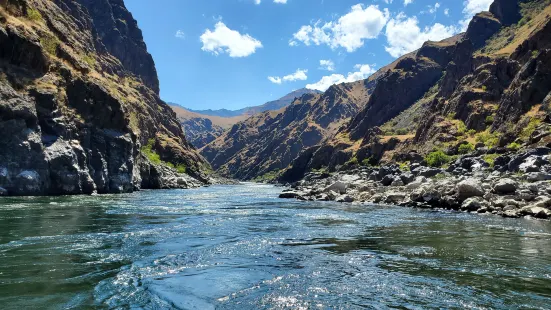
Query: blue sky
(213, 54)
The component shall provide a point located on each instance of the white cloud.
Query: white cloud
(363, 72)
(299, 75)
(433, 9)
(471, 8)
(225, 40)
(327, 65)
(348, 32)
(447, 12)
(404, 34)
(180, 34)
(406, 2)
(256, 1)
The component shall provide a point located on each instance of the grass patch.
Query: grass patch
(34, 15)
(268, 176)
(90, 60)
(148, 151)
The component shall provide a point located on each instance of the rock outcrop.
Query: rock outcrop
(79, 102)
(479, 91)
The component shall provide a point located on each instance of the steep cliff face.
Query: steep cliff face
(80, 107)
(485, 87)
(268, 142)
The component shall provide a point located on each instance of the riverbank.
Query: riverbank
(512, 185)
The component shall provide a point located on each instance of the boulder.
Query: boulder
(338, 187)
(511, 214)
(505, 186)
(397, 182)
(429, 172)
(469, 188)
(395, 197)
(290, 195)
(345, 198)
(474, 204)
(536, 212)
(538, 176)
(407, 177)
(28, 183)
(387, 180)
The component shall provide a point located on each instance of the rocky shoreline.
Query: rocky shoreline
(516, 185)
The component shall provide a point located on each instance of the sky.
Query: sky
(215, 54)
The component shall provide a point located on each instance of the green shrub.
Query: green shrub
(490, 159)
(352, 161)
(471, 132)
(34, 15)
(461, 128)
(530, 128)
(401, 131)
(489, 119)
(514, 146)
(437, 158)
(50, 44)
(484, 88)
(366, 162)
(488, 139)
(535, 53)
(181, 168)
(148, 151)
(404, 166)
(465, 148)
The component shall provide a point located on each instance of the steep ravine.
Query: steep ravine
(80, 109)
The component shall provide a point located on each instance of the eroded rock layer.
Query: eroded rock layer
(79, 104)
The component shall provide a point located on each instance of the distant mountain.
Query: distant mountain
(268, 106)
(204, 126)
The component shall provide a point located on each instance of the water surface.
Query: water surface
(240, 247)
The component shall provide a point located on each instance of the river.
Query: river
(240, 247)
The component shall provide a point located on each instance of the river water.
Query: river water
(240, 247)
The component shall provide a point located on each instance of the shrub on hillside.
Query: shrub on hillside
(437, 158)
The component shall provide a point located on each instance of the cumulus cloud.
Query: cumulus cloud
(404, 35)
(406, 2)
(363, 72)
(224, 40)
(350, 31)
(299, 75)
(327, 65)
(471, 8)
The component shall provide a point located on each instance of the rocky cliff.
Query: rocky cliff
(80, 109)
(204, 126)
(481, 90)
(269, 141)
(273, 105)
